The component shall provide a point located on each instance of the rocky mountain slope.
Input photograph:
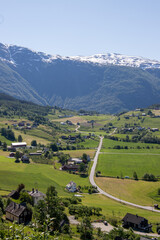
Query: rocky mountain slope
(105, 83)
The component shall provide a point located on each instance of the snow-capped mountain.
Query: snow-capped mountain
(103, 82)
(9, 53)
(120, 60)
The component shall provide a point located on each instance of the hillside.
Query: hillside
(105, 83)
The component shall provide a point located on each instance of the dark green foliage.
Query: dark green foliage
(81, 210)
(25, 197)
(8, 133)
(20, 139)
(20, 187)
(17, 155)
(85, 229)
(4, 146)
(135, 177)
(54, 147)
(149, 177)
(1, 205)
(84, 157)
(63, 158)
(34, 143)
(82, 167)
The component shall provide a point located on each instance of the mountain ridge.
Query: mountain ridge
(79, 83)
(102, 59)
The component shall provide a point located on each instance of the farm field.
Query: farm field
(73, 119)
(108, 146)
(79, 153)
(28, 138)
(113, 209)
(122, 165)
(139, 192)
(35, 175)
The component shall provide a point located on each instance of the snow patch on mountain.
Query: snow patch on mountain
(9, 53)
(119, 59)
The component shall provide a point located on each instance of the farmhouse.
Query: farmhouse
(36, 195)
(25, 159)
(75, 160)
(72, 168)
(18, 213)
(136, 222)
(11, 154)
(19, 145)
(154, 129)
(71, 187)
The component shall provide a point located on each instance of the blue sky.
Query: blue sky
(83, 27)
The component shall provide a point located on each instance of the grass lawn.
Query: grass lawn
(112, 208)
(139, 192)
(109, 144)
(3, 139)
(35, 175)
(79, 153)
(28, 138)
(90, 143)
(125, 164)
(73, 119)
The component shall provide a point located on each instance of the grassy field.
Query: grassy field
(112, 208)
(28, 137)
(79, 153)
(35, 175)
(125, 164)
(73, 119)
(139, 192)
(109, 144)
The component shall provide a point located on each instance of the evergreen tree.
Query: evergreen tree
(135, 177)
(20, 138)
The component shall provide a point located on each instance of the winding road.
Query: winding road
(91, 178)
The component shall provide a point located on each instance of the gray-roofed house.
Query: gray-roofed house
(25, 159)
(18, 213)
(71, 187)
(136, 222)
(36, 195)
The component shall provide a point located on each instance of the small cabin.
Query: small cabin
(18, 213)
(136, 222)
(25, 159)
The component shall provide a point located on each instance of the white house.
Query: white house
(36, 195)
(71, 187)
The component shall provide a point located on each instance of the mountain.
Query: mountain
(106, 83)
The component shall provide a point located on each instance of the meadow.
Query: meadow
(139, 192)
(79, 153)
(109, 146)
(35, 175)
(114, 164)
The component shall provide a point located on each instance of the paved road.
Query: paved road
(91, 178)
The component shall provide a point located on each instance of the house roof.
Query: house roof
(36, 193)
(19, 144)
(70, 184)
(13, 193)
(133, 218)
(70, 167)
(15, 209)
(24, 157)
